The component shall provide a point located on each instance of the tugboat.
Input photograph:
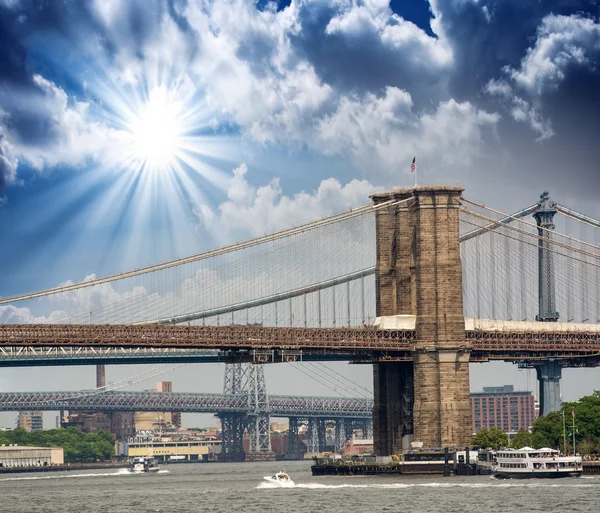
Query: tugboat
(526, 463)
(280, 479)
(142, 465)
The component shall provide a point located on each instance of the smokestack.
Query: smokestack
(100, 376)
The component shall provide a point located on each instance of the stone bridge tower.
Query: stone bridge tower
(419, 273)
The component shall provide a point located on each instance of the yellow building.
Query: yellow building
(180, 450)
(21, 456)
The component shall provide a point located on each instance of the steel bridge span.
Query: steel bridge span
(40, 356)
(279, 406)
(485, 340)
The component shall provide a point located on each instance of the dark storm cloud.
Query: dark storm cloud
(13, 56)
(490, 34)
(489, 39)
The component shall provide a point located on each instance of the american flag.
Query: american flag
(413, 166)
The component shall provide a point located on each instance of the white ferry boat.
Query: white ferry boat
(141, 465)
(527, 463)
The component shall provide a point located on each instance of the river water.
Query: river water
(222, 487)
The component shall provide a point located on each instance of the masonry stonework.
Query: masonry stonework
(418, 272)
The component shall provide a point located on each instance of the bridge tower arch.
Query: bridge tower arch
(418, 272)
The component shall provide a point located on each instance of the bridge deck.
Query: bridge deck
(486, 339)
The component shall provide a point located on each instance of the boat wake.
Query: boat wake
(267, 485)
(391, 486)
(120, 472)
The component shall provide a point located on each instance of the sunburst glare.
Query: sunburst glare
(156, 131)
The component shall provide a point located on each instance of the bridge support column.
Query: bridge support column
(233, 426)
(549, 371)
(549, 374)
(419, 272)
(340, 435)
(322, 433)
(313, 436)
(293, 438)
(392, 409)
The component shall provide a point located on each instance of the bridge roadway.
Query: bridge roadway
(34, 356)
(392, 338)
(279, 405)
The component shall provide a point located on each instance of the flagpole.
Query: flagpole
(564, 433)
(573, 432)
(416, 171)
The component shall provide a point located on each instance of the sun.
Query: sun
(156, 130)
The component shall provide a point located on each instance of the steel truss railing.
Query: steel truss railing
(327, 340)
(279, 406)
(209, 337)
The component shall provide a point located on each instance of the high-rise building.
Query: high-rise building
(167, 386)
(147, 421)
(31, 420)
(503, 408)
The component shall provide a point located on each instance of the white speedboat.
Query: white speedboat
(279, 479)
(526, 463)
(142, 465)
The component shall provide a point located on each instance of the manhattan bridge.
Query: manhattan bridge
(419, 283)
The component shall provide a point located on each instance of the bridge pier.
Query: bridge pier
(549, 374)
(233, 426)
(418, 272)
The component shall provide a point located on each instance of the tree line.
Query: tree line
(548, 430)
(78, 446)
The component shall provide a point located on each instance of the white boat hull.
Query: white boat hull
(542, 474)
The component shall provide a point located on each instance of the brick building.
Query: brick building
(503, 408)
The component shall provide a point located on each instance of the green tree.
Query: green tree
(587, 446)
(549, 430)
(78, 446)
(493, 437)
(523, 438)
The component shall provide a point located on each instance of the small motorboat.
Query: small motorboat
(279, 479)
(142, 465)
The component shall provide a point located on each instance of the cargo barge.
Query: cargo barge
(425, 462)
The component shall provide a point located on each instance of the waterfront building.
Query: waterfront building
(21, 456)
(31, 420)
(504, 408)
(175, 450)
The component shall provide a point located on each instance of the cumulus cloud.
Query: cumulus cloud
(252, 211)
(520, 109)
(384, 130)
(69, 136)
(8, 160)
(561, 42)
(11, 314)
(376, 17)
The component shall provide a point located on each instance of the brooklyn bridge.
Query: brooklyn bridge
(419, 283)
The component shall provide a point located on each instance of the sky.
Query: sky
(141, 131)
